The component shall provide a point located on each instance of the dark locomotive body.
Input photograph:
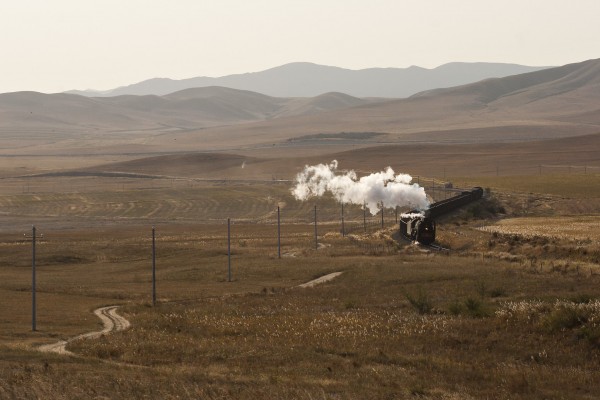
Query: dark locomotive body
(420, 226)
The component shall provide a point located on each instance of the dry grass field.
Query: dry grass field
(500, 316)
(511, 311)
(578, 229)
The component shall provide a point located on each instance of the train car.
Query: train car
(420, 226)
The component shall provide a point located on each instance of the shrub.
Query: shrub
(420, 302)
(564, 318)
(475, 308)
(455, 308)
(498, 292)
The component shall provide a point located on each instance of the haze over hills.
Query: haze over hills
(303, 79)
(54, 115)
(556, 102)
(428, 159)
(551, 103)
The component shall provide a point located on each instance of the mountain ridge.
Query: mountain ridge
(558, 102)
(303, 79)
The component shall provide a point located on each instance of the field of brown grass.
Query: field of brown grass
(504, 314)
(401, 324)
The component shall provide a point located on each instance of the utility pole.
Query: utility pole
(228, 250)
(33, 282)
(343, 228)
(382, 215)
(316, 237)
(278, 233)
(153, 266)
(365, 216)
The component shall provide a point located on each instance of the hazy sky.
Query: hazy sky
(57, 45)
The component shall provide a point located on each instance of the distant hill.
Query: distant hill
(551, 103)
(567, 93)
(303, 79)
(187, 109)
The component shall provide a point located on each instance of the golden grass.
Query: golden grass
(575, 228)
(577, 186)
(355, 337)
(359, 336)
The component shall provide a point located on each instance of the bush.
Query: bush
(475, 308)
(455, 308)
(498, 292)
(420, 302)
(564, 318)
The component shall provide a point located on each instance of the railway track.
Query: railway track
(431, 246)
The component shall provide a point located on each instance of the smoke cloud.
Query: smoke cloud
(393, 190)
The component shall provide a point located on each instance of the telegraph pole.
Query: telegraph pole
(343, 228)
(278, 233)
(365, 216)
(33, 283)
(228, 250)
(316, 237)
(153, 266)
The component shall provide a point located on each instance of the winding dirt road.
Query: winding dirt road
(112, 322)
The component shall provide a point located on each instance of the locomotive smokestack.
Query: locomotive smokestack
(385, 186)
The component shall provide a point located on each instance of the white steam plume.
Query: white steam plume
(393, 190)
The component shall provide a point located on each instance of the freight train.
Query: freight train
(420, 226)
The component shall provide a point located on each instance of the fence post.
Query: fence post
(278, 233)
(316, 241)
(153, 267)
(228, 250)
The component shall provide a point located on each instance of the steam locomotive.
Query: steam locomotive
(420, 226)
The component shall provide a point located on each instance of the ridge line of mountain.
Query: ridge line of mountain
(302, 79)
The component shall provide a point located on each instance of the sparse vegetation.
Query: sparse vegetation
(409, 323)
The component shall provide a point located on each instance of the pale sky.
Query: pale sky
(57, 45)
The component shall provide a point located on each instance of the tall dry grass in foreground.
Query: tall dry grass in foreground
(491, 320)
(363, 335)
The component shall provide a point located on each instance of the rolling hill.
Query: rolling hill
(551, 103)
(37, 117)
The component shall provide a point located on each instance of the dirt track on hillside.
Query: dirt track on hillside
(112, 322)
(323, 279)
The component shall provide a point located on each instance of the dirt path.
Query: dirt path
(113, 322)
(324, 278)
(110, 319)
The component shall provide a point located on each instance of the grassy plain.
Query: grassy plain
(502, 315)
